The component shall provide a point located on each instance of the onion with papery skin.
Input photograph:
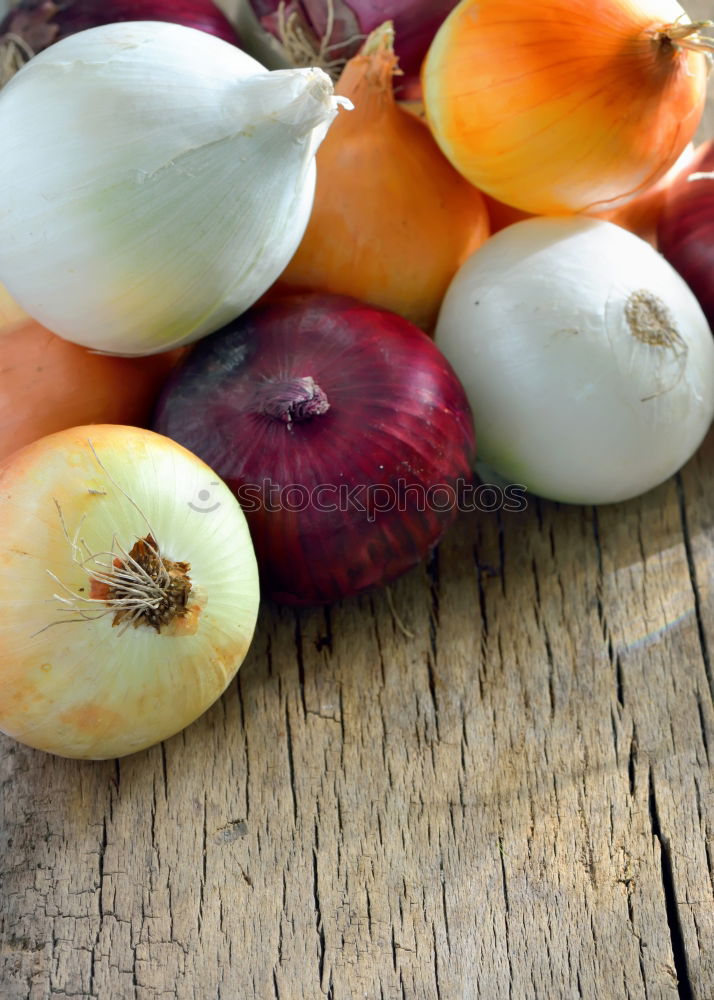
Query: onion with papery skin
(331, 421)
(685, 234)
(392, 220)
(48, 384)
(155, 182)
(327, 33)
(32, 25)
(588, 362)
(129, 590)
(559, 106)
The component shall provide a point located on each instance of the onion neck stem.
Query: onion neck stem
(368, 78)
(14, 53)
(293, 401)
(379, 40)
(686, 36)
(302, 45)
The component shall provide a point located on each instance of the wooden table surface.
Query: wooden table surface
(514, 803)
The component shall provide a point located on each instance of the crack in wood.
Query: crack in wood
(435, 953)
(319, 926)
(679, 951)
(431, 659)
(299, 656)
(632, 761)
(692, 569)
(506, 914)
(291, 762)
(100, 902)
(702, 725)
(204, 863)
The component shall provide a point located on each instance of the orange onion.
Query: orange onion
(561, 106)
(392, 220)
(48, 384)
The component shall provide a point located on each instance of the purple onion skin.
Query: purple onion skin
(685, 229)
(42, 22)
(397, 412)
(415, 24)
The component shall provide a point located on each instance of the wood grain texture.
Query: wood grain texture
(515, 803)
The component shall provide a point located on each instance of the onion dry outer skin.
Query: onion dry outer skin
(82, 689)
(48, 384)
(415, 23)
(685, 233)
(397, 412)
(511, 90)
(392, 220)
(588, 362)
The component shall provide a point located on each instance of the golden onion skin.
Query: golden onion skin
(562, 106)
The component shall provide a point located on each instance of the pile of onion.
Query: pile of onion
(342, 430)
(392, 220)
(560, 106)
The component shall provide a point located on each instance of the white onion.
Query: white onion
(75, 680)
(588, 362)
(155, 181)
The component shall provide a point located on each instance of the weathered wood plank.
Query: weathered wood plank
(515, 802)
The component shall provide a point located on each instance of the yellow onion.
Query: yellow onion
(561, 106)
(129, 590)
(392, 220)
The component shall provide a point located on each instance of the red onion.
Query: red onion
(685, 231)
(32, 25)
(329, 32)
(342, 430)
